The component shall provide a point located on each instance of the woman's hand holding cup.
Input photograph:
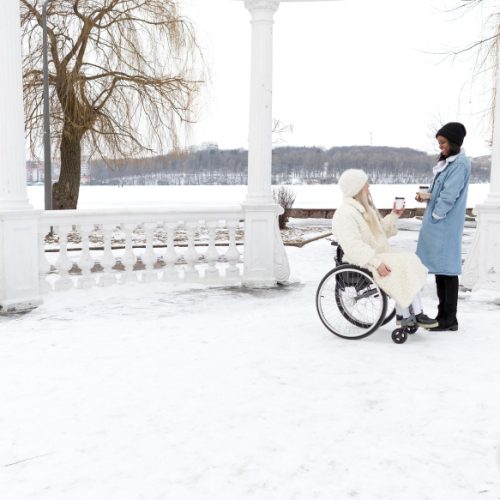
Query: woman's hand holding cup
(398, 207)
(423, 194)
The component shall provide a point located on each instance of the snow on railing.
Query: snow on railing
(84, 248)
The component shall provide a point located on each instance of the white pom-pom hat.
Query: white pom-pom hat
(352, 181)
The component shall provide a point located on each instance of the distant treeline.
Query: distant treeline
(305, 165)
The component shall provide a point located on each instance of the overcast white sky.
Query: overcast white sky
(350, 72)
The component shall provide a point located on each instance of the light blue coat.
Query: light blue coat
(440, 240)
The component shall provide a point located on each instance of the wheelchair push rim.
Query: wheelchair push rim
(349, 302)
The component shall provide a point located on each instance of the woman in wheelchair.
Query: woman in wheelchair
(363, 235)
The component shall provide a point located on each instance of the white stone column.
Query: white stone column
(18, 220)
(482, 264)
(261, 100)
(265, 261)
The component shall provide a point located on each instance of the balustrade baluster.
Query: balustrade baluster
(191, 255)
(149, 257)
(107, 260)
(232, 255)
(43, 264)
(85, 263)
(212, 255)
(171, 256)
(128, 259)
(63, 263)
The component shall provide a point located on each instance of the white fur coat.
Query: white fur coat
(362, 248)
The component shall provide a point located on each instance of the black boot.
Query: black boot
(448, 319)
(441, 293)
(451, 301)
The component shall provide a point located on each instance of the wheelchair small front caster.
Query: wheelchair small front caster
(411, 329)
(399, 336)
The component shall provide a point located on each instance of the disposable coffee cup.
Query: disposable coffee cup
(399, 203)
(423, 189)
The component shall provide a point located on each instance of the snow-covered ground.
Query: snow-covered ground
(169, 392)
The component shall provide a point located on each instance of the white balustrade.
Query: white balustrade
(91, 247)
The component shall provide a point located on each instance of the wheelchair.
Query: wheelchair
(352, 306)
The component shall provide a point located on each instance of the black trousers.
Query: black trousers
(447, 292)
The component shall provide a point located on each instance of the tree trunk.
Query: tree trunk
(66, 190)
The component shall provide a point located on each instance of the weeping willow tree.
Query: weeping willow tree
(123, 76)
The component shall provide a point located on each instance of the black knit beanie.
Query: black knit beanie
(454, 132)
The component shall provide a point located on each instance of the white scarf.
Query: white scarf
(442, 164)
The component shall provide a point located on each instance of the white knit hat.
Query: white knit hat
(352, 181)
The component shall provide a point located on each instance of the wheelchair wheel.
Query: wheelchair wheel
(399, 336)
(349, 302)
(412, 329)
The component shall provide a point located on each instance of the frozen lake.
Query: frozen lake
(307, 196)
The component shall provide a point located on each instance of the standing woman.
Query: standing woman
(440, 239)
